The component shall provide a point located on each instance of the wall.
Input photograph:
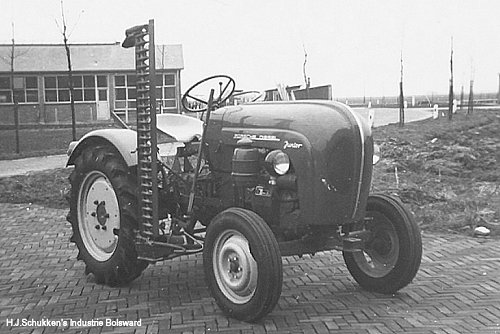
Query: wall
(61, 113)
(48, 113)
(27, 113)
(320, 93)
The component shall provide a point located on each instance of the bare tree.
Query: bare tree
(64, 31)
(470, 107)
(10, 59)
(307, 80)
(498, 95)
(462, 97)
(451, 94)
(401, 97)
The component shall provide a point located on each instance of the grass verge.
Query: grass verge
(446, 171)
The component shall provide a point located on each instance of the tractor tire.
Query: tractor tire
(242, 264)
(392, 255)
(103, 216)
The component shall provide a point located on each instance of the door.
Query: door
(102, 104)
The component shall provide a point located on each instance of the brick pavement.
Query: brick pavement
(457, 289)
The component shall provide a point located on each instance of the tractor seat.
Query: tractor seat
(180, 127)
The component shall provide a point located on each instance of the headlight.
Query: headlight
(278, 161)
(376, 153)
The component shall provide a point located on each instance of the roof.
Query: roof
(84, 57)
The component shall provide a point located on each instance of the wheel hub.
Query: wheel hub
(382, 244)
(381, 252)
(235, 267)
(99, 216)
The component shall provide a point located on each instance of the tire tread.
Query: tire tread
(123, 267)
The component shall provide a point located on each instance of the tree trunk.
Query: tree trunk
(462, 98)
(450, 101)
(401, 105)
(14, 97)
(70, 78)
(470, 108)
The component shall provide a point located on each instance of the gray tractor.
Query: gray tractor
(246, 185)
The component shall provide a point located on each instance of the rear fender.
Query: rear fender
(124, 140)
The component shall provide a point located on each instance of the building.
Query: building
(103, 81)
(280, 93)
(295, 93)
(314, 93)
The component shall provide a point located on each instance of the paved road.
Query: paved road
(457, 289)
(25, 165)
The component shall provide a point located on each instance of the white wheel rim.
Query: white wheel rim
(234, 267)
(382, 252)
(98, 216)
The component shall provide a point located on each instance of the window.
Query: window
(63, 88)
(84, 88)
(102, 81)
(5, 90)
(4, 82)
(169, 80)
(103, 95)
(23, 89)
(166, 96)
(77, 81)
(125, 94)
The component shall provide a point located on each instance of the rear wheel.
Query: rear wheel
(103, 216)
(242, 263)
(392, 254)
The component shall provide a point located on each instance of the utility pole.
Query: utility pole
(451, 95)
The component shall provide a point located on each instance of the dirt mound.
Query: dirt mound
(447, 171)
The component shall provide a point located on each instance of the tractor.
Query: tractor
(242, 184)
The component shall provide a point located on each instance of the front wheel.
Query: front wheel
(242, 264)
(393, 252)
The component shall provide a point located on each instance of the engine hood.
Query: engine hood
(316, 120)
(329, 146)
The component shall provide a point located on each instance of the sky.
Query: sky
(354, 45)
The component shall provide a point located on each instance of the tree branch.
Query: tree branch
(304, 65)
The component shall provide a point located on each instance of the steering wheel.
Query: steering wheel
(223, 86)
